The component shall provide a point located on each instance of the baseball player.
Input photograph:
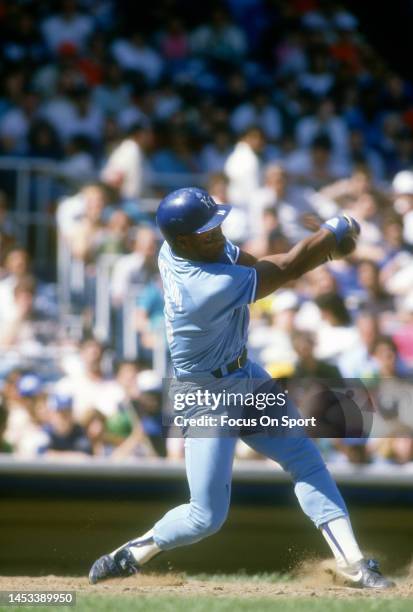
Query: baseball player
(208, 285)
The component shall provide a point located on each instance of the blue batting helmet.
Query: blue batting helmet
(189, 211)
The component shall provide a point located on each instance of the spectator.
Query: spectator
(94, 426)
(394, 450)
(324, 122)
(85, 118)
(243, 167)
(258, 112)
(347, 190)
(117, 234)
(78, 166)
(113, 94)
(393, 241)
(359, 155)
(397, 274)
(178, 157)
(7, 243)
(66, 439)
(135, 445)
(150, 413)
(387, 358)
(88, 233)
(174, 45)
(215, 154)
(290, 54)
(26, 414)
(403, 192)
(221, 42)
(359, 362)
(276, 242)
(91, 65)
(58, 108)
(141, 106)
(136, 268)
(272, 344)
(120, 424)
(217, 186)
(26, 329)
(71, 210)
(136, 55)
(67, 27)
(374, 297)
(290, 203)
(403, 152)
(126, 168)
(15, 124)
(403, 335)
(167, 102)
(132, 429)
(365, 207)
(43, 141)
(336, 334)
(307, 365)
(317, 165)
(346, 50)
(316, 283)
(88, 385)
(23, 44)
(355, 450)
(5, 447)
(319, 79)
(16, 268)
(390, 393)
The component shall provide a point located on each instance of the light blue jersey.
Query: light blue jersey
(206, 309)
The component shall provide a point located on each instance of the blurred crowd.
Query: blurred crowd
(282, 109)
(78, 74)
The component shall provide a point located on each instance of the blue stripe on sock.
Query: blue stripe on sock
(333, 539)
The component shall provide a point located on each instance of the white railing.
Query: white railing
(130, 349)
(71, 286)
(36, 186)
(103, 322)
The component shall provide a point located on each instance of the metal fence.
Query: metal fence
(34, 187)
(117, 331)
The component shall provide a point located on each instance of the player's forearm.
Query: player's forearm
(306, 255)
(275, 270)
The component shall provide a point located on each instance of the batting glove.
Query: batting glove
(346, 231)
(343, 227)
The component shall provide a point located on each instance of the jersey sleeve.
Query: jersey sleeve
(223, 288)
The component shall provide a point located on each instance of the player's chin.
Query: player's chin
(215, 254)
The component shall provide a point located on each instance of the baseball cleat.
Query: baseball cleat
(121, 565)
(366, 575)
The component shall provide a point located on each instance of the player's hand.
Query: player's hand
(346, 231)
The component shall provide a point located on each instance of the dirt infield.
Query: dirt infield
(311, 579)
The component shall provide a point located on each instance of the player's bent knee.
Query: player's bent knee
(209, 523)
(302, 458)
